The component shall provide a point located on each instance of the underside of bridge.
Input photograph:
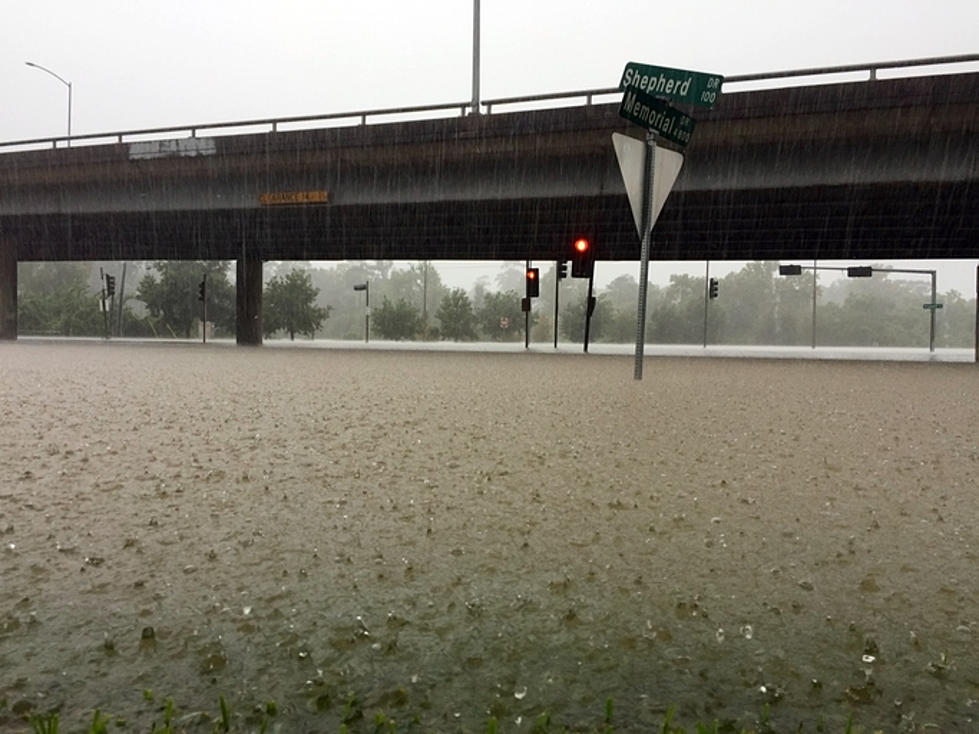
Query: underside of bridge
(901, 221)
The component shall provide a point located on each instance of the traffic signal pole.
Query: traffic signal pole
(105, 311)
(589, 307)
(706, 298)
(647, 208)
(526, 315)
(204, 309)
(557, 287)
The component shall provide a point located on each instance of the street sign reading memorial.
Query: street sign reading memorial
(676, 85)
(656, 116)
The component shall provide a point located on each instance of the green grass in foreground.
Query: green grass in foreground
(262, 719)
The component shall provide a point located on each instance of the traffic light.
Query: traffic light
(712, 288)
(562, 269)
(790, 270)
(582, 261)
(859, 271)
(533, 282)
(110, 286)
(202, 290)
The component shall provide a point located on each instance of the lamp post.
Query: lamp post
(67, 84)
(366, 287)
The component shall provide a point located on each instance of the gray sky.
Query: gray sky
(141, 63)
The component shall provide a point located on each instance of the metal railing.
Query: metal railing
(274, 123)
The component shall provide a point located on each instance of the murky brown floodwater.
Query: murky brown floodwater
(459, 535)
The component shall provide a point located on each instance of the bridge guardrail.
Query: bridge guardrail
(869, 72)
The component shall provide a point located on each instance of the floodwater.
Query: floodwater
(454, 536)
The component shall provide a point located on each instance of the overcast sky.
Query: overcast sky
(146, 63)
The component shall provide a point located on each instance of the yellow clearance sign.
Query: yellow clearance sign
(279, 198)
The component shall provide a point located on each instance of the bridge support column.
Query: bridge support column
(8, 291)
(248, 307)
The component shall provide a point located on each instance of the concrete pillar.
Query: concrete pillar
(8, 290)
(248, 306)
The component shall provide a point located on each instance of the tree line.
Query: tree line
(755, 305)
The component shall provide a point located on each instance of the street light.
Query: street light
(366, 287)
(67, 84)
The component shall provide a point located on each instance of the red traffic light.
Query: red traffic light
(533, 282)
(581, 245)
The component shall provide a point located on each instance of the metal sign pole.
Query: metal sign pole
(647, 207)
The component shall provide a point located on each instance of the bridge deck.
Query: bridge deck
(881, 169)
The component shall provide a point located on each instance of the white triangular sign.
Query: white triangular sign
(632, 157)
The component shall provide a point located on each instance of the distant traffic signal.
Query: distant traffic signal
(562, 269)
(110, 286)
(582, 260)
(712, 288)
(533, 282)
(790, 270)
(202, 290)
(859, 271)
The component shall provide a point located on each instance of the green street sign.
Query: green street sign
(676, 85)
(656, 116)
(932, 306)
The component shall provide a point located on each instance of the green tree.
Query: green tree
(747, 299)
(289, 305)
(572, 323)
(956, 322)
(455, 314)
(622, 295)
(171, 296)
(55, 298)
(500, 317)
(396, 321)
(677, 315)
(793, 318)
(875, 311)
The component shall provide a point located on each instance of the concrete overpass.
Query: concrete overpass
(880, 169)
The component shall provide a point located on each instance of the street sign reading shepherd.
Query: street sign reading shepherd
(645, 89)
(677, 85)
(656, 116)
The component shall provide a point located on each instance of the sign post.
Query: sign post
(647, 233)
(645, 87)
